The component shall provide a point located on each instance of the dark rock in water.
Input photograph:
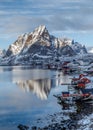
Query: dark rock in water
(34, 128)
(22, 127)
(39, 128)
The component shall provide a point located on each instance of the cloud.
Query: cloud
(58, 15)
(20, 16)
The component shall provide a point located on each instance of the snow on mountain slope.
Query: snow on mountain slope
(2, 52)
(23, 42)
(90, 50)
(40, 36)
(78, 48)
(42, 43)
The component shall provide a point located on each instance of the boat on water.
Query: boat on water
(88, 94)
(81, 88)
(83, 96)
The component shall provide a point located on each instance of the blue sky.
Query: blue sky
(63, 18)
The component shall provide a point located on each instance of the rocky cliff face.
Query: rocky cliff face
(40, 42)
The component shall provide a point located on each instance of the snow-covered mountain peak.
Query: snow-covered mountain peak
(41, 32)
(25, 41)
(40, 42)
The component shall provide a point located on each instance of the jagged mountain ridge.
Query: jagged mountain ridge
(24, 42)
(39, 37)
(42, 43)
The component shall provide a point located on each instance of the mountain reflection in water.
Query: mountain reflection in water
(40, 87)
(19, 107)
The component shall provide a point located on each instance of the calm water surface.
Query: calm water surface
(26, 95)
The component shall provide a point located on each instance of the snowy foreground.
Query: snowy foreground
(70, 119)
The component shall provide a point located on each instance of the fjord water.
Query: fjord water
(26, 95)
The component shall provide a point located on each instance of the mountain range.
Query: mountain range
(39, 44)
